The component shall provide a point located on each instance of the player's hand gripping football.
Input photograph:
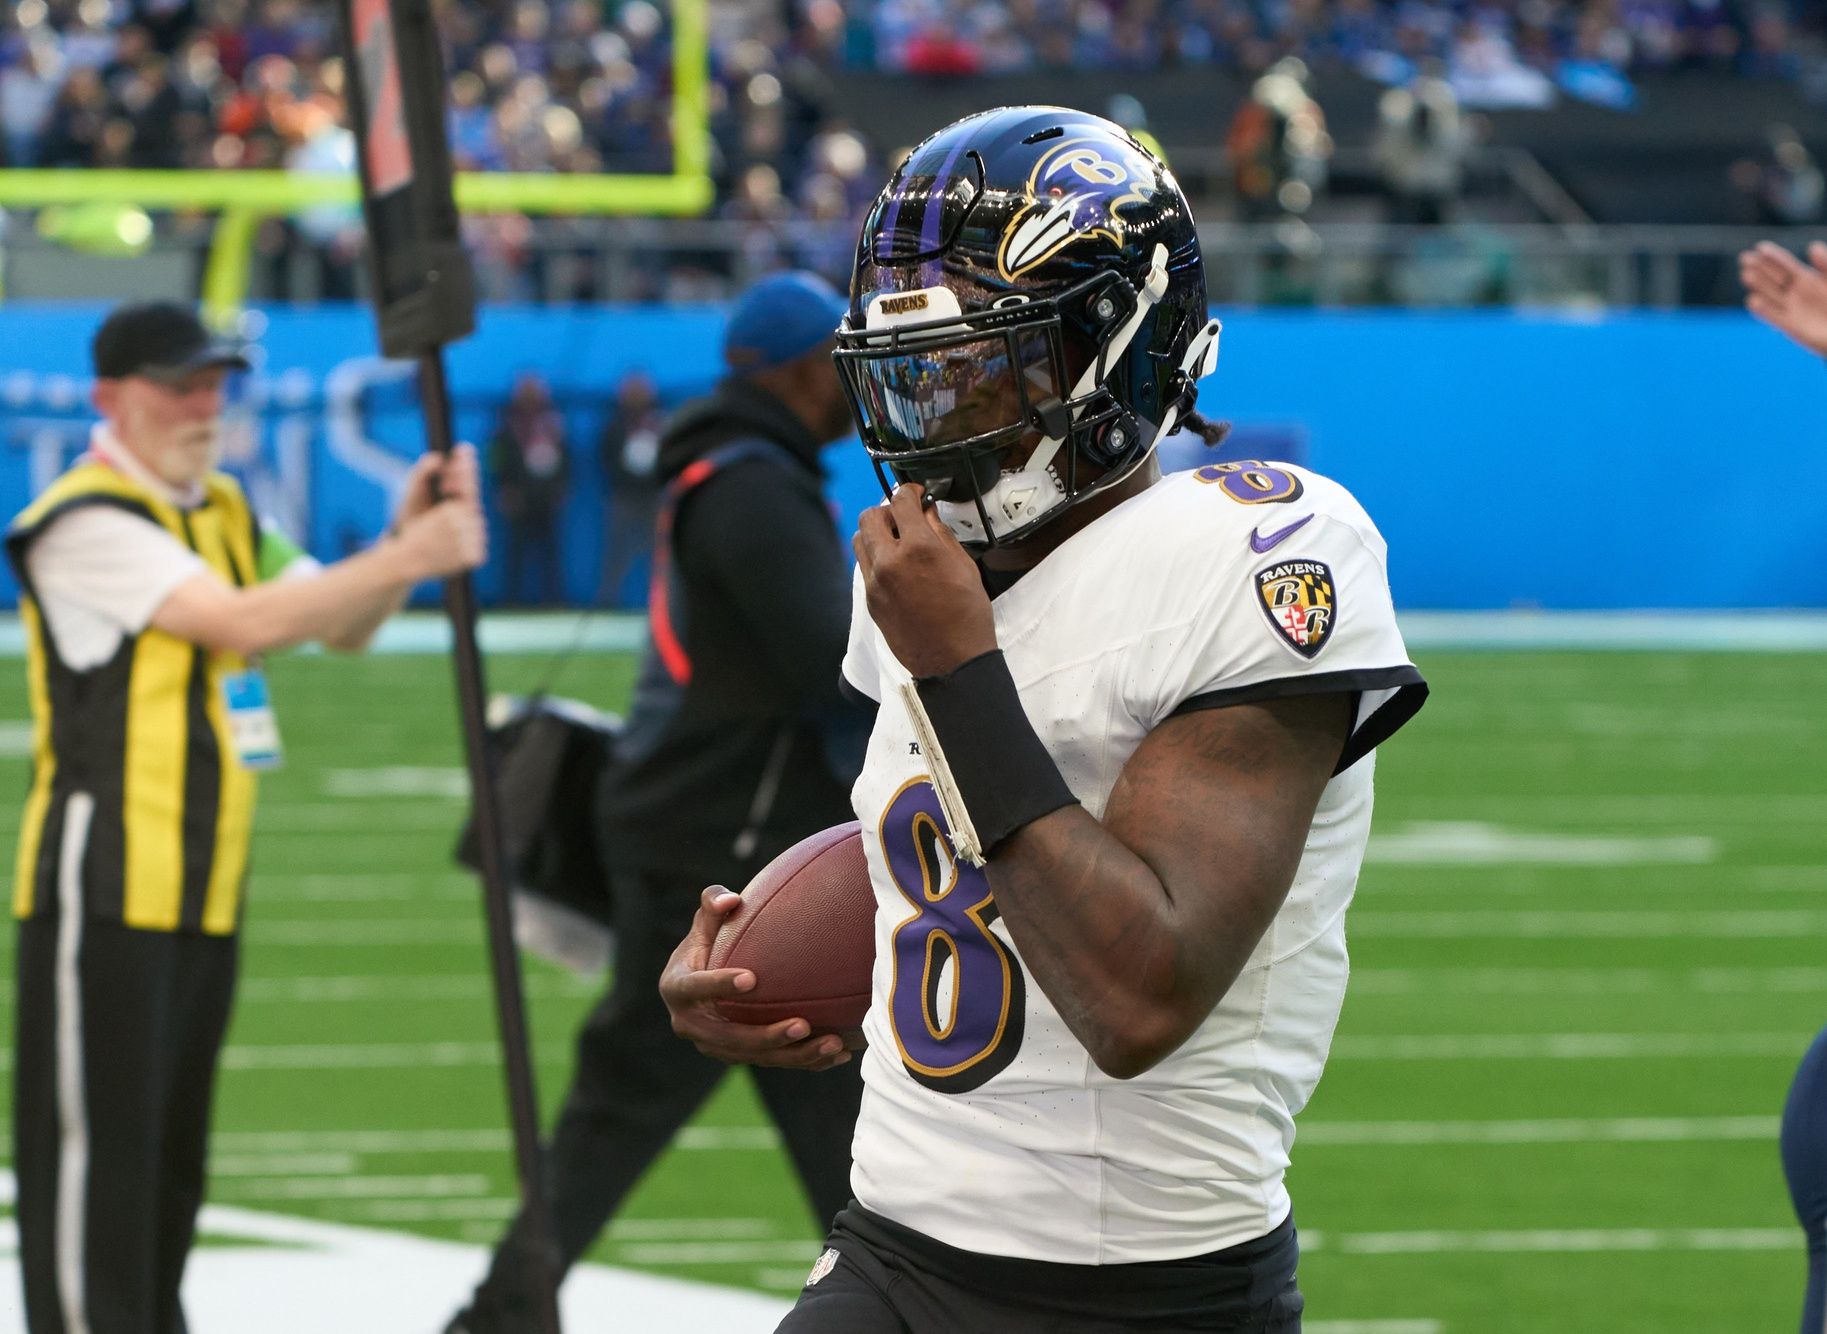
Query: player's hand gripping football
(691, 992)
(924, 592)
(1786, 294)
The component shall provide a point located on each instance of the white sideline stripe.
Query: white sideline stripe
(1566, 1241)
(1474, 843)
(358, 1187)
(1571, 1130)
(72, 1107)
(310, 1276)
(1569, 1046)
(1752, 924)
(1585, 981)
(431, 987)
(1372, 1326)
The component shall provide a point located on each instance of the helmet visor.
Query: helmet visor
(916, 398)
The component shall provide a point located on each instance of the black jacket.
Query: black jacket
(759, 748)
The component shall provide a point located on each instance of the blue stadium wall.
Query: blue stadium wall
(1512, 460)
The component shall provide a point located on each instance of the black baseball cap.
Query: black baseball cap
(159, 340)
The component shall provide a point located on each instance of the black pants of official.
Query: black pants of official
(117, 1036)
(877, 1277)
(637, 1083)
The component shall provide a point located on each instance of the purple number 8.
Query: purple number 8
(951, 1039)
(1252, 482)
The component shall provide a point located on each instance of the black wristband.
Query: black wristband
(1003, 773)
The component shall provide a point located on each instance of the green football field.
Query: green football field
(1588, 949)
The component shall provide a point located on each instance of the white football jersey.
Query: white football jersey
(985, 1124)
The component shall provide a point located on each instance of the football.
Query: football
(806, 929)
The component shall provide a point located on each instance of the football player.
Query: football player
(1119, 785)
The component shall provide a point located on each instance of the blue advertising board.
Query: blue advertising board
(1511, 459)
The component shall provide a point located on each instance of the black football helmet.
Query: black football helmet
(1027, 317)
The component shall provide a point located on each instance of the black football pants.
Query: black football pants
(879, 1278)
(117, 1036)
(635, 1086)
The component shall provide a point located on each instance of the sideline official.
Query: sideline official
(149, 590)
(738, 745)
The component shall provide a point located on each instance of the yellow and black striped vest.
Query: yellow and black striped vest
(145, 735)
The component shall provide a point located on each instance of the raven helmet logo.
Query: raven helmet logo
(1074, 192)
(1301, 601)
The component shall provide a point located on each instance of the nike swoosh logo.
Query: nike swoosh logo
(1259, 543)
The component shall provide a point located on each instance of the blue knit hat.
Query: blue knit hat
(780, 319)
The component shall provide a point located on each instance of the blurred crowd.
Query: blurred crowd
(586, 86)
(1496, 54)
(536, 86)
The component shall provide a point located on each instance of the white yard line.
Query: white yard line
(1552, 1240)
(1569, 1130)
(1599, 924)
(1568, 1046)
(1718, 882)
(395, 987)
(282, 1164)
(700, 1138)
(1695, 810)
(392, 932)
(445, 782)
(355, 1187)
(1586, 981)
(336, 817)
(1475, 843)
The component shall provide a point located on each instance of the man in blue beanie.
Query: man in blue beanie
(738, 744)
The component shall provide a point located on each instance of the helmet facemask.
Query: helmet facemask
(970, 405)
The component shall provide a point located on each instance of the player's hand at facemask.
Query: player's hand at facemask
(1787, 294)
(435, 477)
(924, 592)
(691, 991)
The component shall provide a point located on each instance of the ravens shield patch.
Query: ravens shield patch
(1301, 601)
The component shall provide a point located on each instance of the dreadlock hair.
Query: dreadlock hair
(1212, 432)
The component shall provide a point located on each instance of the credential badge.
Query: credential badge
(822, 1266)
(1301, 601)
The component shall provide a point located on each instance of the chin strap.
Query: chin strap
(1201, 360)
